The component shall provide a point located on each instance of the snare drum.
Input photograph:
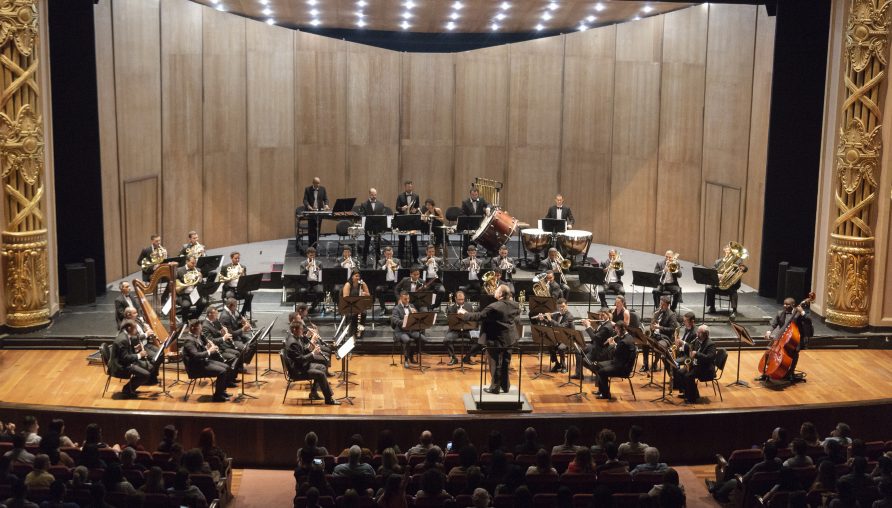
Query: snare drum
(575, 241)
(495, 230)
(535, 240)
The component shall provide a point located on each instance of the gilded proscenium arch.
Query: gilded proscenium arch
(24, 237)
(851, 252)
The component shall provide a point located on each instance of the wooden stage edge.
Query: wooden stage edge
(843, 385)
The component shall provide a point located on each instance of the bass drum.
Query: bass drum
(575, 242)
(495, 230)
(535, 240)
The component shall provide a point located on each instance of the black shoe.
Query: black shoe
(556, 367)
(406, 364)
(452, 361)
(232, 385)
(711, 310)
(468, 361)
(763, 377)
(332, 402)
(710, 485)
(226, 395)
(643, 369)
(603, 396)
(492, 389)
(563, 368)
(506, 389)
(315, 396)
(329, 373)
(596, 394)
(576, 376)
(412, 359)
(219, 398)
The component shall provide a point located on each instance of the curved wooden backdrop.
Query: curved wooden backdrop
(654, 130)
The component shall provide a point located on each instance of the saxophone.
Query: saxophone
(522, 300)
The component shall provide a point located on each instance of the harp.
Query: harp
(167, 271)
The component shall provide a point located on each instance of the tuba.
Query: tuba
(540, 285)
(489, 282)
(730, 269)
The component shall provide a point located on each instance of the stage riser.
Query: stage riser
(272, 441)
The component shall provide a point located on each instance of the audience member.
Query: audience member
(176, 458)
(467, 457)
(39, 477)
(858, 476)
(582, 463)
(312, 498)
(6, 476)
(30, 428)
(93, 435)
(498, 469)
(89, 457)
(523, 498)
(612, 464)
(809, 433)
(18, 496)
(799, 457)
(721, 489)
(128, 461)
(883, 469)
(633, 446)
(651, 462)
(387, 440)
(311, 443)
(459, 441)
(361, 475)
(393, 494)
(672, 497)
(80, 478)
(190, 494)
(543, 464)
(885, 488)
(50, 446)
(834, 451)
(841, 434)
(433, 460)
(193, 461)
(787, 483)
(57, 497)
(857, 449)
(7, 430)
(846, 496)
(670, 477)
(154, 483)
(316, 479)
(131, 439)
(18, 452)
(425, 443)
(168, 439)
(495, 442)
(480, 498)
(571, 436)
(97, 496)
(564, 497)
(530, 445)
(114, 480)
(389, 464)
(356, 439)
(604, 436)
(780, 438)
(433, 486)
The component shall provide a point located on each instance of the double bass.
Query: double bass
(778, 359)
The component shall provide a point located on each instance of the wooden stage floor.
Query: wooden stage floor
(64, 378)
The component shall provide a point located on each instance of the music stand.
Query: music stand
(554, 226)
(419, 322)
(644, 280)
(663, 355)
(179, 260)
(460, 326)
(651, 343)
(485, 300)
(160, 355)
(421, 299)
(354, 305)
(594, 276)
(330, 278)
(374, 225)
(343, 354)
(373, 279)
(343, 205)
(248, 283)
(468, 223)
(245, 356)
(544, 336)
(453, 279)
(407, 223)
(707, 277)
(208, 263)
(542, 305)
(742, 336)
(572, 339)
(267, 332)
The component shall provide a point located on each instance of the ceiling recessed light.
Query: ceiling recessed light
(591, 19)
(406, 15)
(505, 6)
(540, 26)
(361, 3)
(270, 21)
(553, 6)
(500, 16)
(600, 7)
(311, 2)
(405, 25)
(264, 2)
(267, 11)
(494, 26)
(314, 12)
(646, 9)
(546, 15)
(315, 22)
(450, 26)
(360, 14)
(457, 5)
(636, 18)
(453, 15)
(221, 7)
(409, 4)
(360, 23)
(583, 27)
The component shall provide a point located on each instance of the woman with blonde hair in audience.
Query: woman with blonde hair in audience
(390, 465)
(393, 494)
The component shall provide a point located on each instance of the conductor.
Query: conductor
(498, 329)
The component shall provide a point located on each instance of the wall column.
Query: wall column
(24, 237)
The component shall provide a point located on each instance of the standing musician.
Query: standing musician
(312, 267)
(474, 206)
(301, 359)
(237, 325)
(560, 212)
(702, 355)
(408, 203)
(391, 267)
(473, 265)
(552, 263)
(371, 206)
(670, 271)
(731, 292)
(193, 247)
(613, 277)
(560, 318)
(597, 350)
(398, 320)
(356, 287)
(188, 279)
(132, 357)
(145, 334)
(315, 199)
(802, 315)
(622, 362)
(203, 359)
(432, 267)
(212, 330)
(230, 275)
(150, 257)
(452, 336)
(125, 300)
(498, 329)
(435, 219)
(662, 328)
(503, 263)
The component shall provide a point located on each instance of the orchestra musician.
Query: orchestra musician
(801, 313)
(597, 350)
(348, 261)
(435, 219)
(410, 284)
(670, 271)
(453, 336)
(622, 362)
(473, 265)
(398, 321)
(620, 312)
(731, 292)
(498, 330)
(312, 267)
(132, 357)
(356, 287)
(702, 355)
(212, 330)
(613, 277)
(315, 199)
(504, 264)
(193, 247)
(123, 301)
(310, 341)
(302, 360)
(203, 359)
(432, 267)
(231, 273)
(371, 206)
(552, 263)
(150, 257)
(687, 333)
(554, 289)
(391, 267)
(500, 282)
(407, 203)
(474, 206)
(662, 328)
(560, 318)
(190, 302)
(560, 212)
(236, 324)
(145, 334)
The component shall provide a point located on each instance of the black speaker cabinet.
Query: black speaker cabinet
(90, 264)
(795, 283)
(76, 279)
(782, 268)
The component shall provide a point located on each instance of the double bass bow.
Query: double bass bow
(778, 358)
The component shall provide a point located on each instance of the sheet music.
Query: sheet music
(389, 220)
(165, 309)
(475, 334)
(347, 347)
(406, 318)
(194, 297)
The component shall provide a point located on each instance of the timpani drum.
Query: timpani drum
(574, 241)
(535, 240)
(495, 230)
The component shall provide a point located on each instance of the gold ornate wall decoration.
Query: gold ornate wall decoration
(858, 154)
(24, 237)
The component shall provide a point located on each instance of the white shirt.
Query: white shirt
(391, 274)
(559, 212)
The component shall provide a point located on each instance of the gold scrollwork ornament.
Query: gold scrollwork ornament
(21, 144)
(867, 32)
(18, 20)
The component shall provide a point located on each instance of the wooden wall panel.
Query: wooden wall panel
(584, 177)
(681, 132)
(481, 117)
(426, 128)
(635, 134)
(225, 179)
(270, 91)
(137, 80)
(116, 263)
(712, 208)
(142, 215)
(373, 116)
(320, 109)
(181, 119)
(758, 143)
(534, 127)
(728, 105)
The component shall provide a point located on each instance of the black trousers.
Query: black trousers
(365, 246)
(382, 291)
(499, 363)
(605, 371)
(674, 291)
(230, 292)
(313, 225)
(613, 287)
(141, 372)
(187, 310)
(731, 292)
(214, 368)
(316, 373)
(452, 337)
(593, 353)
(401, 248)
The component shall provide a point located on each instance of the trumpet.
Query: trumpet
(506, 265)
(616, 264)
(390, 264)
(311, 266)
(349, 264)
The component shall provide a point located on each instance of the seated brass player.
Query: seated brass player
(391, 267)
(229, 276)
(597, 350)
(188, 279)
